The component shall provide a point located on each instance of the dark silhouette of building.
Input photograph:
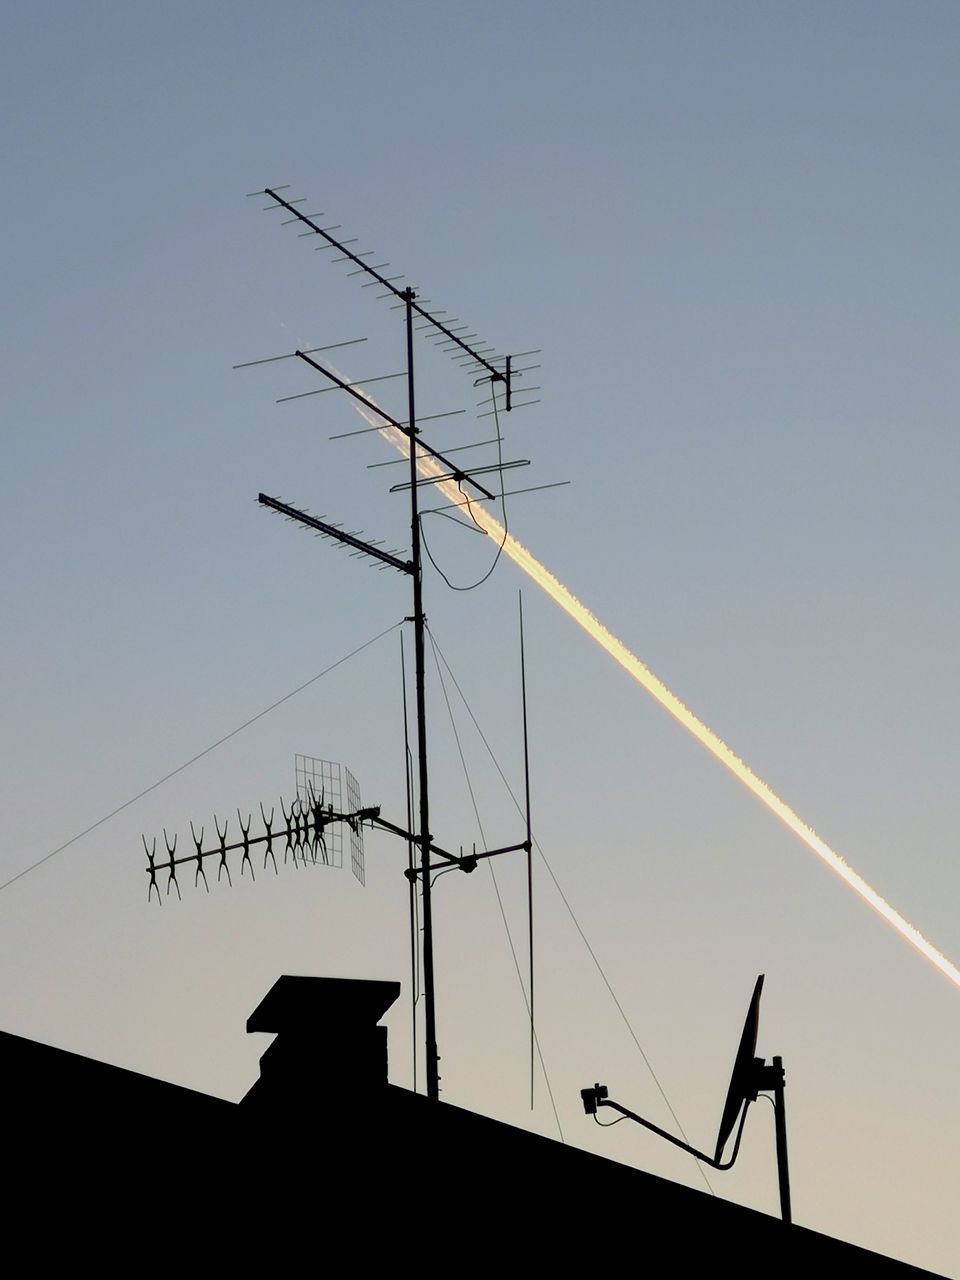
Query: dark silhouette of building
(325, 1164)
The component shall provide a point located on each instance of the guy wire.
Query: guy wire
(496, 886)
(193, 759)
(572, 914)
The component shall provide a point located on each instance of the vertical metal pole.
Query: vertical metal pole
(429, 995)
(783, 1168)
(528, 845)
(411, 876)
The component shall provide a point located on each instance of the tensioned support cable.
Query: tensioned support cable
(570, 911)
(527, 1000)
(199, 756)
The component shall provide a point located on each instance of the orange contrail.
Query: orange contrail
(580, 614)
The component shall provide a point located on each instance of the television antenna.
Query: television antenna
(302, 837)
(308, 819)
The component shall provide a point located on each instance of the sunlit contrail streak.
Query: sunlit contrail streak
(580, 614)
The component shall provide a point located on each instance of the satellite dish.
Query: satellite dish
(743, 1086)
(750, 1077)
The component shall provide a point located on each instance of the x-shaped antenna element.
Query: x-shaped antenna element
(268, 827)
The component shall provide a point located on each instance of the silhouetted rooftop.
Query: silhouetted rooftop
(324, 1155)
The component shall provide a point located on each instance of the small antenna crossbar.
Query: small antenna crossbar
(510, 493)
(291, 355)
(357, 382)
(462, 475)
(406, 428)
(460, 448)
(466, 862)
(424, 417)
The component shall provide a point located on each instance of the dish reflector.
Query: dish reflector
(741, 1088)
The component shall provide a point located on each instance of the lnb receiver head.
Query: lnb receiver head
(592, 1097)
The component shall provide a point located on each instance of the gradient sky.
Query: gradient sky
(732, 230)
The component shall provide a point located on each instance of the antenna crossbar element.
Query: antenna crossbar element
(349, 388)
(449, 859)
(290, 355)
(360, 382)
(426, 417)
(460, 448)
(460, 476)
(466, 862)
(510, 493)
(496, 374)
(409, 431)
(331, 531)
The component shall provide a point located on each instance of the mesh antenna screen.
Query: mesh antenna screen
(333, 784)
(352, 788)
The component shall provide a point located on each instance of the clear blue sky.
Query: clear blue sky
(732, 230)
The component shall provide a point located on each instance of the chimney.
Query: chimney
(327, 1041)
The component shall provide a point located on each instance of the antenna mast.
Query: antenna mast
(429, 1006)
(500, 372)
(310, 817)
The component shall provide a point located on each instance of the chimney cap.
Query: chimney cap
(299, 1004)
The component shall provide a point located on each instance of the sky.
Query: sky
(731, 229)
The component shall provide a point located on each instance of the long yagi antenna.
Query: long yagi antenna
(374, 271)
(304, 829)
(331, 531)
